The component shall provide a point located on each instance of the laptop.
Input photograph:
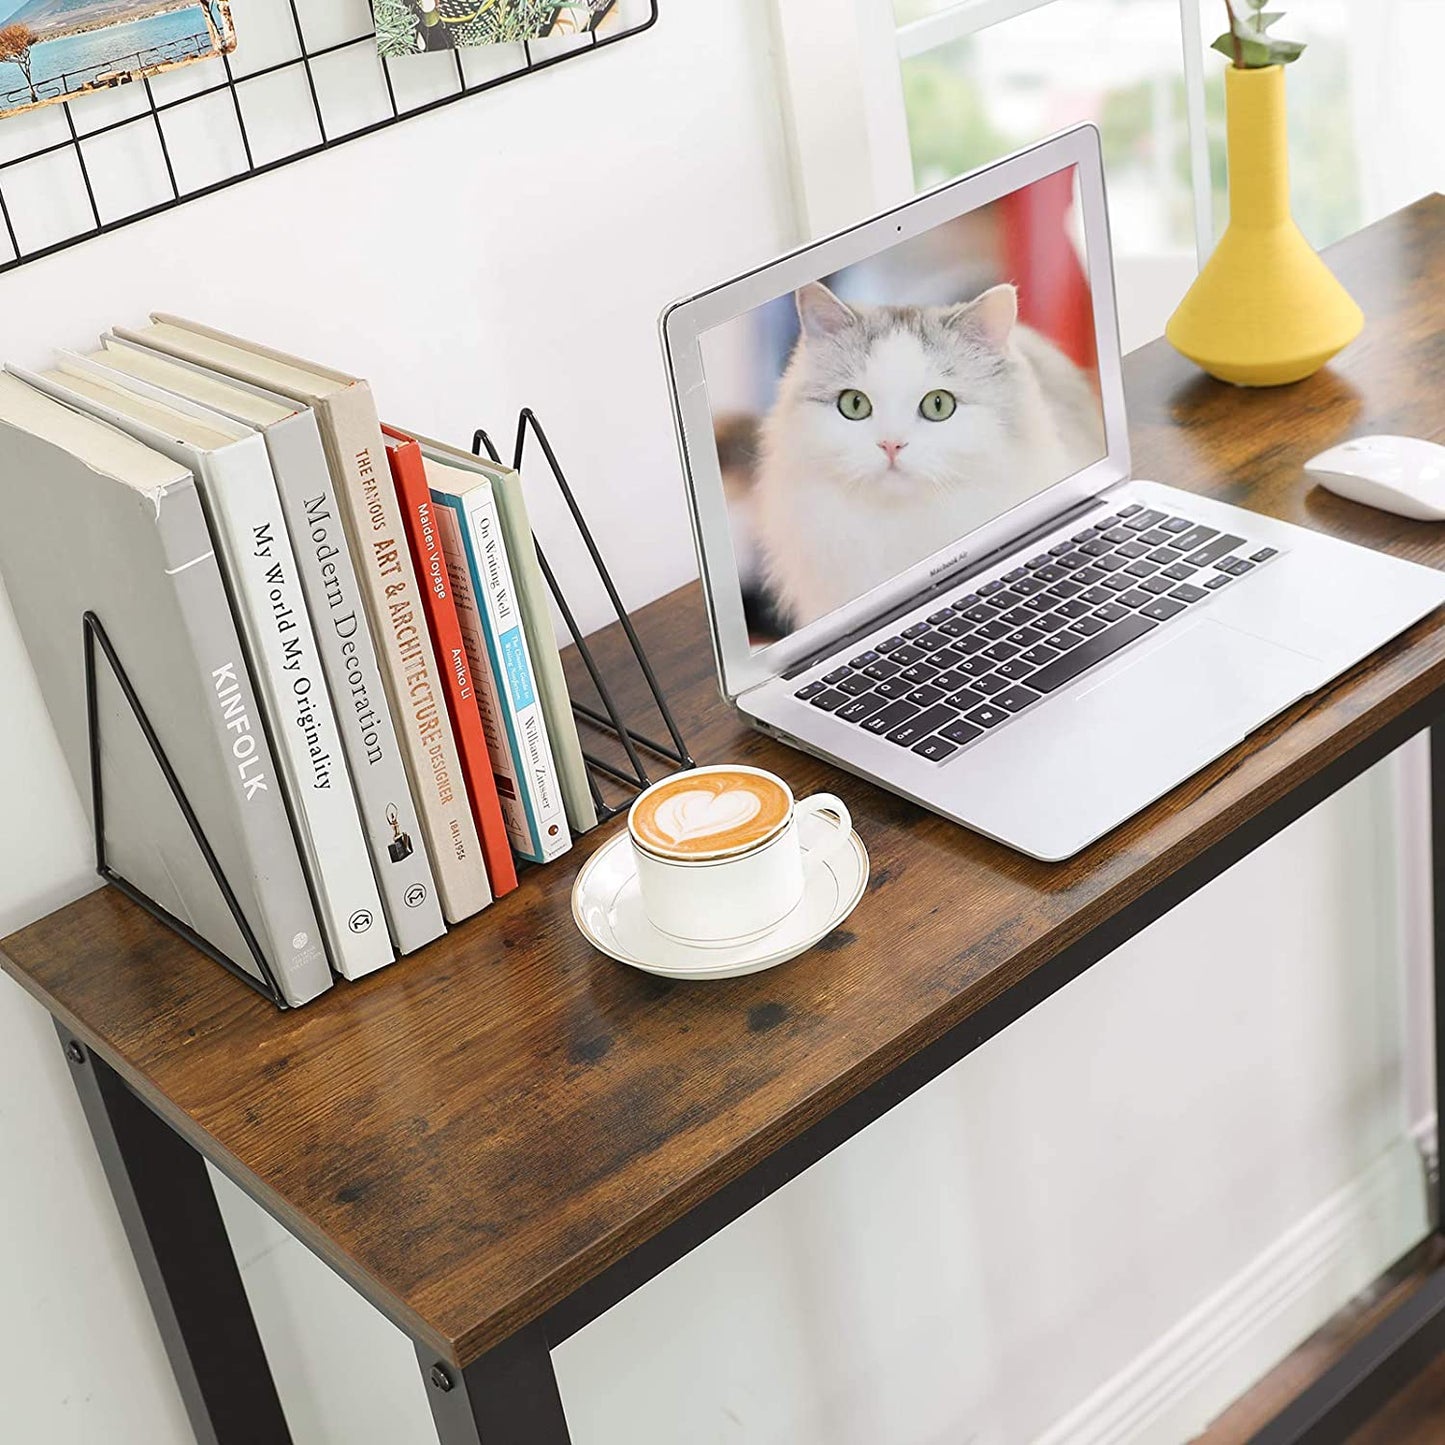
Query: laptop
(924, 556)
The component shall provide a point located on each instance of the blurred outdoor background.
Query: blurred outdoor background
(1120, 64)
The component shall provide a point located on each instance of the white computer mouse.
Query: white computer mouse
(1403, 475)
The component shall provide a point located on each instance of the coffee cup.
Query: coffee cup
(719, 851)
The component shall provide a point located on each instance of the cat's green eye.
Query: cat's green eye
(938, 406)
(855, 404)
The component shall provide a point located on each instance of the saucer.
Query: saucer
(607, 907)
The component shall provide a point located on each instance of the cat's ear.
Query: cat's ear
(820, 312)
(991, 315)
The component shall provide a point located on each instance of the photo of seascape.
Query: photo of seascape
(57, 49)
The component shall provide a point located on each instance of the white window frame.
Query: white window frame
(844, 111)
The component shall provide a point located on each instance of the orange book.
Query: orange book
(409, 474)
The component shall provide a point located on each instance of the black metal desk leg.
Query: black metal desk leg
(508, 1397)
(174, 1226)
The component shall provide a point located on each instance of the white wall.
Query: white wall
(973, 1266)
(1398, 108)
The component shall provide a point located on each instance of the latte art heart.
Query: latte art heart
(699, 814)
(710, 812)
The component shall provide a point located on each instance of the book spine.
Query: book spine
(256, 555)
(348, 658)
(288, 929)
(419, 516)
(510, 666)
(372, 518)
(547, 660)
(451, 521)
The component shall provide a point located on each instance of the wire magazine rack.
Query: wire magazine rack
(608, 723)
(310, 79)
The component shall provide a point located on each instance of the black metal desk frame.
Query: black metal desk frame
(509, 1396)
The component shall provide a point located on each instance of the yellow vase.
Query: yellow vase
(1265, 310)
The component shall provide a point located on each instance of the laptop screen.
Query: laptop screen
(871, 417)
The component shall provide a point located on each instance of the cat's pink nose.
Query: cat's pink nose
(892, 448)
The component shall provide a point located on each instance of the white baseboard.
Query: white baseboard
(1215, 1353)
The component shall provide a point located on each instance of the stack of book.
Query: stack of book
(338, 630)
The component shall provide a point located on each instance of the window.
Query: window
(887, 97)
(975, 92)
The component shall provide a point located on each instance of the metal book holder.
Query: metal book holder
(95, 634)
(609, 724)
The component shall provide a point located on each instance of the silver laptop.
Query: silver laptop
(924, 556)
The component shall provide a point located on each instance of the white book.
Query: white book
(338, 615)
(243, 509)
(490, 704)
(471, 530)
(356, 453)
(95, 521)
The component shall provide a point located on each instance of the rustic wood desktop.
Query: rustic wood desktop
(499, 1138)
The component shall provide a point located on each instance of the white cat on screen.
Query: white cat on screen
(899, 427)
(871, 417)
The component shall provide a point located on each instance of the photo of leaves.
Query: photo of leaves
(410, 27)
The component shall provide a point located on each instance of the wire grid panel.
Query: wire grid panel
(304, 77)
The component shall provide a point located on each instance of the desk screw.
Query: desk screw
(74, 1052)
(440, 1378)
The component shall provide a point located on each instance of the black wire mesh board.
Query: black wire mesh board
(305, 76)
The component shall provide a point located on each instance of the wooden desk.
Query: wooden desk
(498, 1139)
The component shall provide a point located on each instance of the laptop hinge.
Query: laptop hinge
(946, 583)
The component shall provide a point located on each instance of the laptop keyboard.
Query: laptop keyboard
(969, 666)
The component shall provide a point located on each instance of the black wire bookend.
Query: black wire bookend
(266, 985)
(610, 722)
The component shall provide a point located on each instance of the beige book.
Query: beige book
(372, 521)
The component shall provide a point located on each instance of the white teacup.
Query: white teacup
(719, 854)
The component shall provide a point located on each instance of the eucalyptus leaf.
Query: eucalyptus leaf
(1247, 42)
(1281, 52)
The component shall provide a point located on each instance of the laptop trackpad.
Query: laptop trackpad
(1063, 774)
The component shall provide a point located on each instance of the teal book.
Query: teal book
(528, 785)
